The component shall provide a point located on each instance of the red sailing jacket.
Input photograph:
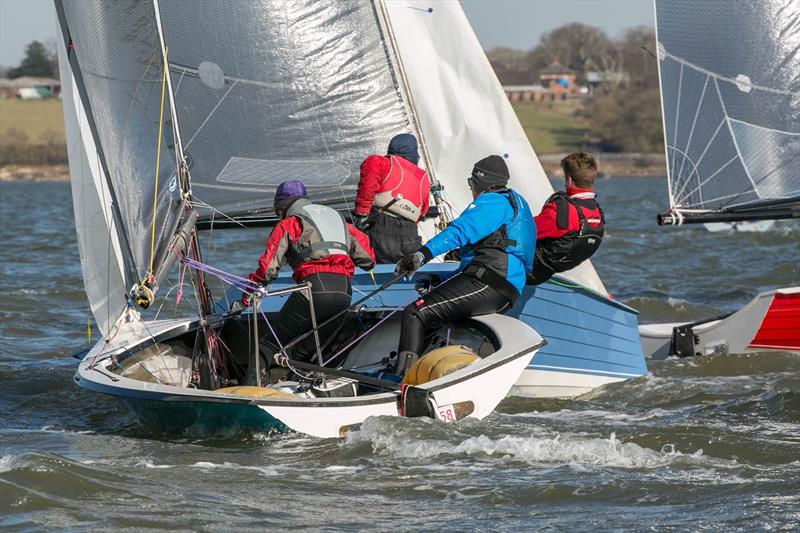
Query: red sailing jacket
(288, 231)
(546, 227)
(375, 179)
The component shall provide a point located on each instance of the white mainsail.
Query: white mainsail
(101, 256)
(463, 113)
(266, 91)
(730, 91)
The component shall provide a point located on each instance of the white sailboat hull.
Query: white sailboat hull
(473, 391)
(770, 321)
(537, 383)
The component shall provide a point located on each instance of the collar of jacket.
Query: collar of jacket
(575, 192)
(297, 206)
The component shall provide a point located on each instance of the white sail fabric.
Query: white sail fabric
(276, 90)
(101, 256)
(730, 88)
(463, 113)
(118, 54)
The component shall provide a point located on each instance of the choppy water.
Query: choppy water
(696, 444)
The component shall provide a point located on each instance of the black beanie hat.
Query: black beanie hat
(489, 172)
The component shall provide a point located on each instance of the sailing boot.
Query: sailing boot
(404, 361)
(249, 379)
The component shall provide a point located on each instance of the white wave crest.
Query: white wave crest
(8, 463)
(235, 466)
(569, 450)
(207, 465)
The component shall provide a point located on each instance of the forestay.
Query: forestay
(730, 89)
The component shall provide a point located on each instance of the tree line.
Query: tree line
(625, 112)
(39, 61)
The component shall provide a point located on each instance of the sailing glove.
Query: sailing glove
(409, 264)
(360, 222)
(424, 281)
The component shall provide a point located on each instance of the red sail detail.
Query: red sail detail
(780, 328)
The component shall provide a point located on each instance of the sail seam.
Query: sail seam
(210, 114)
(720, 169)
(698, 68)
(679, 194)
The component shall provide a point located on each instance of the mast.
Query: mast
(180, 157)
(403, 84)
(183, 238)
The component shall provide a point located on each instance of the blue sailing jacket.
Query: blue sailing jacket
(496, 231)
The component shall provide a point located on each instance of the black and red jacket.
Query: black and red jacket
(569, 230)
(292, 234)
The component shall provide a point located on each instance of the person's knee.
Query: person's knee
(411, 313)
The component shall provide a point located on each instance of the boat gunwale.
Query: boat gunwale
(154, 391)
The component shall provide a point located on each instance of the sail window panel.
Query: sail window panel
(307, 92)
(772, 159)
(774, 110)
(117, 50)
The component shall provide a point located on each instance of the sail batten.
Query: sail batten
(730, 90)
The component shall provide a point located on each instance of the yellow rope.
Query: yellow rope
(158, 162)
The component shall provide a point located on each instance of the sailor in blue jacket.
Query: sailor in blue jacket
(496, 236)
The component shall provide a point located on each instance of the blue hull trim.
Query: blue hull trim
(586, 333)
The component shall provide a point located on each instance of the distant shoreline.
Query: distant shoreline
(34, 173)
(617, 165)
(609, 164)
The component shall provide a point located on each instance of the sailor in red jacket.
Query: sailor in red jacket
(392, 198)
(323, 250)
(571, 225)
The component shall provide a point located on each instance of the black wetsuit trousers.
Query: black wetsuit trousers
(460, 297)
(331, 294)
(392, 237)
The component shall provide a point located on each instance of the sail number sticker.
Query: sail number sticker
(446, 413)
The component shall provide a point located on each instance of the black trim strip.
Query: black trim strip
(778, 210)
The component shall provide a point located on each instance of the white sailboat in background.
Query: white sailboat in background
(257, 93)
(730, 93)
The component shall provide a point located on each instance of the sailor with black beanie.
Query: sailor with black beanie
(496, 238)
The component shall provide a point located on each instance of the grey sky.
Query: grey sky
(514, 23)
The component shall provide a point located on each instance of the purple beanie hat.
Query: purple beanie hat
(291, 189)
(287, 192)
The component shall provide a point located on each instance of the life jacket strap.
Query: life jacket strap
(321, 246)
(494, 280)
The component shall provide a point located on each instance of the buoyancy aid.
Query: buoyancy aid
(503, 257)
(407, 183)
(574, 247)
(324, 233)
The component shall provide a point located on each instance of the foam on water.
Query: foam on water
(560, 449)
(8, 463)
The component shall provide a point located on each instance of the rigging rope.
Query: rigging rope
(158, 163)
